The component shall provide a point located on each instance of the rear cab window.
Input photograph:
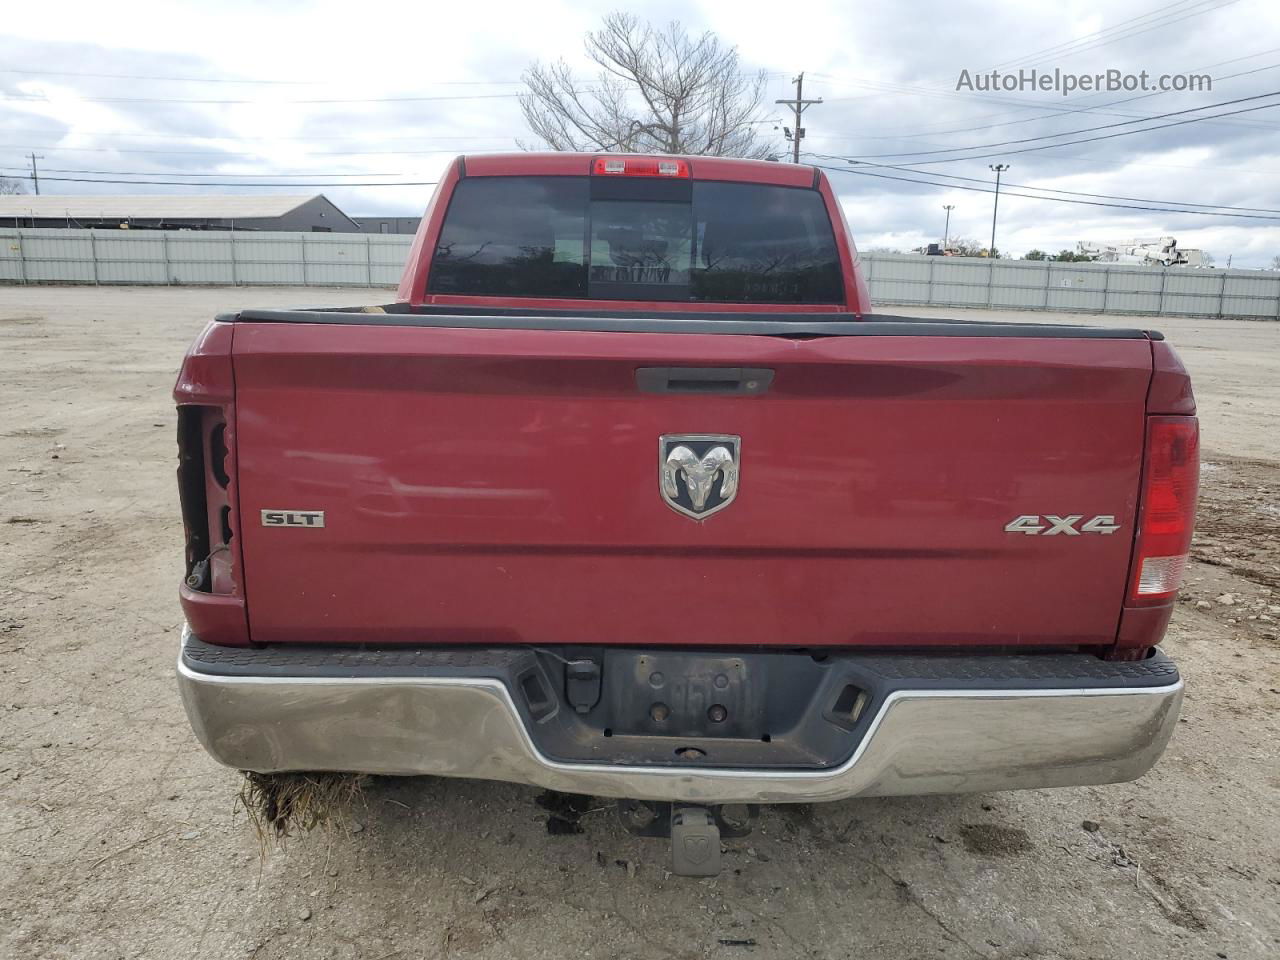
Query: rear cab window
(637, 238)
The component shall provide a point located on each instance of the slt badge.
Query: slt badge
(698, 472)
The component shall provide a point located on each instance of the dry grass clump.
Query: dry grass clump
(280, 805)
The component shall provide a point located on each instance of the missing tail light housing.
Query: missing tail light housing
(212, 591)
(192, 473)
(204, 491)
(1167, 510)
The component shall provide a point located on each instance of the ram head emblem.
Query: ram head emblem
(698, 473)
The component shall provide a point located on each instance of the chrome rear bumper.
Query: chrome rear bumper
(919, 741)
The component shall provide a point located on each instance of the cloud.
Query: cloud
(886, 73)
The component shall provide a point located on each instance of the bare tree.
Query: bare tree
(966, 247)
(658, 91)
(8, 185)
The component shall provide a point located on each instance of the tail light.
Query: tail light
(212, 591)
(1167, 510)
(204, 492)
(630, 166)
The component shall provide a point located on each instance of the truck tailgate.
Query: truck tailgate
(503, 486)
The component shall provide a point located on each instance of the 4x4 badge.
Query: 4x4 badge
(698, 473)
(1031, 524)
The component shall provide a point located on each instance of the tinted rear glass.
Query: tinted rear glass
(567, 237)
(514, 237)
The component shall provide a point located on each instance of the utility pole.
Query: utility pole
(35, 172)
(798, 106)
(999, 168)
(946, 230)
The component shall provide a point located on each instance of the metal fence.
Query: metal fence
(375, 260)
(201, 257)
(1071, 287)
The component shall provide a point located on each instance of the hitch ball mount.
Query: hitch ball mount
(695, 831)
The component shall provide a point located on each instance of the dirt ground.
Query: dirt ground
(120, 837)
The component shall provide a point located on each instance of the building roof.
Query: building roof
(213, 206)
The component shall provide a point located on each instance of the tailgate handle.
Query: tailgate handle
(737, 380)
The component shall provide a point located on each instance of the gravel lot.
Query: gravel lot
(120, 837)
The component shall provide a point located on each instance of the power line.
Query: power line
(1105, 126)
(1007, 193)
(858, 172)
(23, 71)
(1032, 186)
(1163, 10)
(1067, 143)
(228, 153)
(224, 173)
(139, 76)
(1090, 158)
(401, 99)
(1109, 136)
(182, 183)
(1084, 44)
(867, 173)
(820, 156)
(30, 98)
(1187, 14)
(219, 136)
(900, 136)
(1099, 109)
(1149, 205)
(882, 88)
(270, 82)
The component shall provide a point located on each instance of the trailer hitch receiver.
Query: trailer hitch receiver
(695, 842)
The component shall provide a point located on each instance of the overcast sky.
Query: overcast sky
(887, 74)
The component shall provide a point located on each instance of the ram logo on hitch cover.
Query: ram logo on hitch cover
(1049, 525)
(698, 472)
(293, 518)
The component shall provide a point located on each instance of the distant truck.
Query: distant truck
(631, 493)
(1161, 251)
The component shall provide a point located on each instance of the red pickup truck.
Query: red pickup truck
(632, 494)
